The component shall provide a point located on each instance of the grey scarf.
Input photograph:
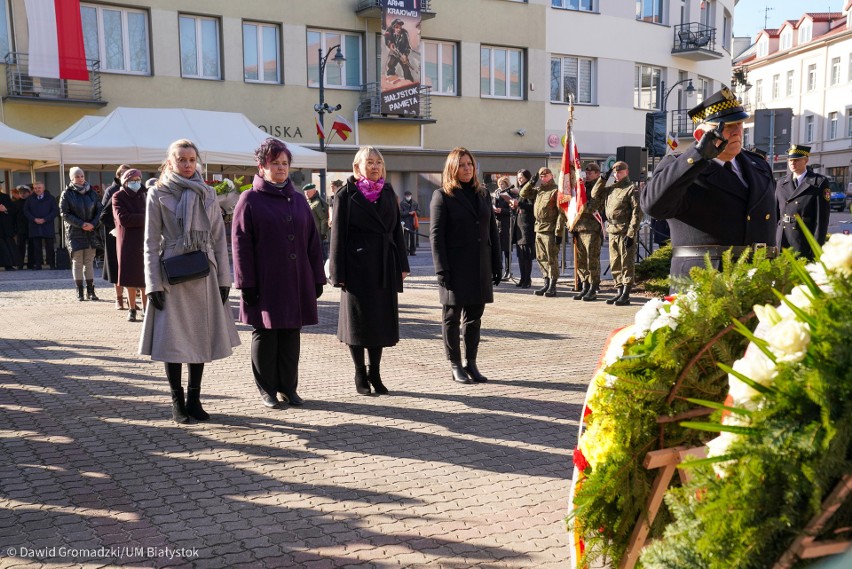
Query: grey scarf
(191, 215)
(82, 189)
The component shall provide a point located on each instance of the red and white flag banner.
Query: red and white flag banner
(56, 47)
(573, 194)
(342, 127)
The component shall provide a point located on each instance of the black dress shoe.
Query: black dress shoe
(473, 372)
(270, 401)
(294, 399)
(459, 373)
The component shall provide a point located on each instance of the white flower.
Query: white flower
(741, 392)
(665, 319)
(646, 316)
(799, 297)
(719, 447)
(767, 314)
(837, 254)
(817, 272)
(751, 272)
(789, 340)
(756, 366)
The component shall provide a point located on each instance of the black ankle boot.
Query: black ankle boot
(79, 291)
(374, 376)
(193, 405)
(542, 290)
(179, 406)
(473, 372)
(90, 290)
(592, 294)
(619, 290)
(551, 290)
(459, 374)
(624, 299)
(583, 291)
(362, 384)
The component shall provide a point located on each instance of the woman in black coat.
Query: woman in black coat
(466, 255)
(525, 233)
(369, 261)
(503, 214)
(81, 207)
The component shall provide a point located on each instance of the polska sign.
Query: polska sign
(281, 131)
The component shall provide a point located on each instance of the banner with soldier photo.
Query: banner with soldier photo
(400, 69)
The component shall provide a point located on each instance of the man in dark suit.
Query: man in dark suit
(804, 193)
(715, 195)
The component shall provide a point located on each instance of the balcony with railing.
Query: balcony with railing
(370, 106)
(681, 124)
(22, 86)
(695, 41)
(373, 9)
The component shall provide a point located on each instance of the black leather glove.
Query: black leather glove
(558, 240)
(444, 279)
(157, 299)
(318, 289)
(224, 291)
(629, 241)
(534, 179)
(250, 296)
(496, 279)
(707, 145)
(608, 174)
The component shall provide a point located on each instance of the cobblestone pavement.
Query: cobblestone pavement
(93, 472)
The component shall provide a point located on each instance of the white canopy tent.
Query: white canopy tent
(21, 151)
(79, 127)
(142, 136)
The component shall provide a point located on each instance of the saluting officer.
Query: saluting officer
(804, 193)
(715, 195)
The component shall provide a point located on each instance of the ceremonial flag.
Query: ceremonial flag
(320, 130)
(671, 141)
(342, 127)
(56, 46)
(573, 195)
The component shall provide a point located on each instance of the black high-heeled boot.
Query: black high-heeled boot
(362, 384)
(473, 372)
(179, 413)
(375, 378)
(459, 373)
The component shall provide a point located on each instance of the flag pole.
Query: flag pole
(569, 125)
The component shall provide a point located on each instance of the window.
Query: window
(812, 77)
(440, 67)
(4, 30)
(763, 47)
(758, 92)
(832, 126)
(747, 137)
(348, 75)
(645, 86)
(261, 49)
(787, 39)
(199, 47)
(776, 87)
(848, 123)
(651, 11)
(809, 128)
(703, 89)
(585, 5)
(117, 37)
(790, 83)
(726, 30)
(805, 33)
(835, 71)
(571, 75)
(501, 72)
(850, 67)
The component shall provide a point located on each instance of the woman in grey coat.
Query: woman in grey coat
(190, 322)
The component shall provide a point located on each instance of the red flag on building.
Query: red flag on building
(56, 46)
(342, 127)
(320, 129)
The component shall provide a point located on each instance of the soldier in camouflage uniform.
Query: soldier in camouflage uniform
(588, 235)
(549, 227)
(320, 212)
(621, 204)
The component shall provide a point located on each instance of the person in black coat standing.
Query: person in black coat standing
(503, 214)
(110, 271)
(41, 210)
(368, 261)
(466, 255)
(715, 195)
(524, 233)
(19, 198)
(80, 207)
(803, 193)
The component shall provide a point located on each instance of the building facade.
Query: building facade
(805, 65)
(498, 73)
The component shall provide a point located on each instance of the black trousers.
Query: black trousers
(526, 254)
(411, 239)
(275, 359)
(37, 257)
(464, 321)
(23, 245)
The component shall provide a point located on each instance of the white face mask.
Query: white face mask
(408, 198)
(134, 186)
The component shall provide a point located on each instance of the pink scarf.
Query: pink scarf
(370, 190)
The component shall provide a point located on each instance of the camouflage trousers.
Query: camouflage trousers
(589, 256)
(622, 259)
(547, 254)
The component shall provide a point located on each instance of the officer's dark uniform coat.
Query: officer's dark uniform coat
(811, 201)
(706, 204)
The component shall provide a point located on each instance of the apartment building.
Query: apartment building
(497, 74)
(805, 65)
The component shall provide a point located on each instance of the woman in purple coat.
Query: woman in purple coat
(128, 205)
(278, 266)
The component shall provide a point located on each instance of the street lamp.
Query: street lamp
(690, 90)
(324, 107)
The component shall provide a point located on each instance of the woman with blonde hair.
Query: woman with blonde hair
(368, 261)
(466, 255)
(191, 322)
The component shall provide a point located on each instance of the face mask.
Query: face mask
(408, 198)
(134, 186)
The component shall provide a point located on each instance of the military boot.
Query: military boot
(619, 290)
(624, 299)
(542, 290)
(79, 284)
(583, 291)
(551, 290)
(592, 294)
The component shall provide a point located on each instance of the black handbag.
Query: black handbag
(187, 267)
